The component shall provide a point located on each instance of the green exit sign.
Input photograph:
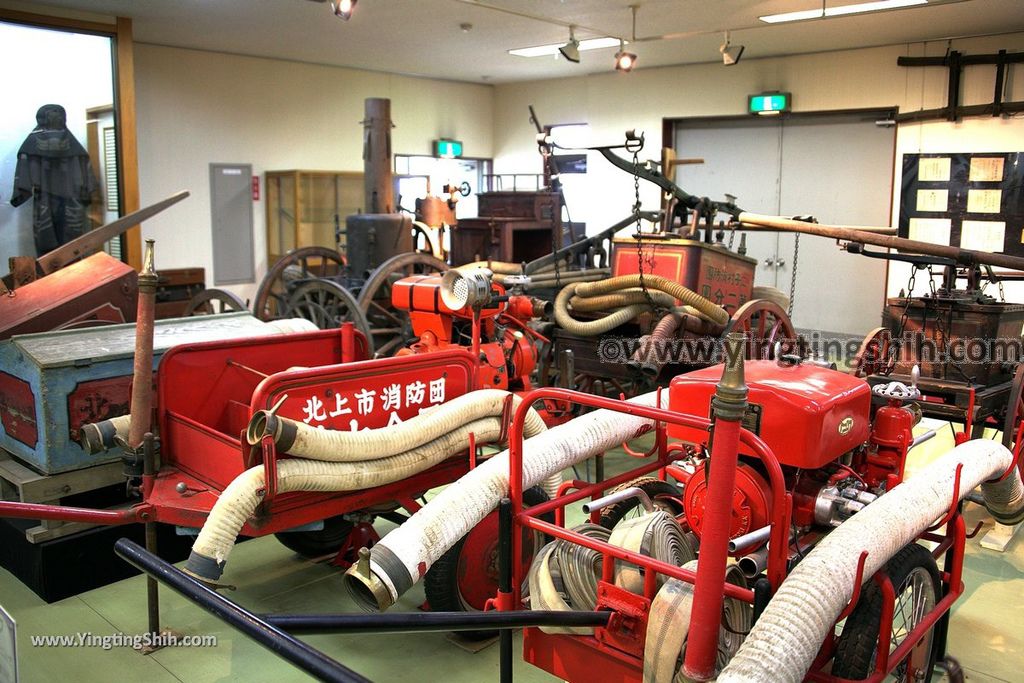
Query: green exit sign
(768, 103)
(448, 149)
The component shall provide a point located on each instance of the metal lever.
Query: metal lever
(619, 496)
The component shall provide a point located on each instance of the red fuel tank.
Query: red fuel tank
(808, 415)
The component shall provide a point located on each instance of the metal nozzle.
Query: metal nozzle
(730, 401)
(148, 276)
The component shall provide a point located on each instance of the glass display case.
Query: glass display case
(308, 208)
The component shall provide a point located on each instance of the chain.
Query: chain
(792, 278)
(931, 282)
(1002, 294)
(639, 241)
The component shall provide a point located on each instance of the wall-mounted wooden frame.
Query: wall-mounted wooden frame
(119, 30)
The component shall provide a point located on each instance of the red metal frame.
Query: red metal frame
(576, 657)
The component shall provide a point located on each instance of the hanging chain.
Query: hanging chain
(1002, 294)
(792, 278)
(639, 240)
(732, 237)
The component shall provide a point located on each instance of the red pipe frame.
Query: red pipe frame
(952, 542)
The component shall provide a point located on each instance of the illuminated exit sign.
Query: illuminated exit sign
(769, 103)
(448, 149)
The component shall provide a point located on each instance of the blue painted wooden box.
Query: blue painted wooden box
(52, 383)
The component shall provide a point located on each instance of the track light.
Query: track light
(343, 8)
(571, 50)
(730, 53)
(624, 61)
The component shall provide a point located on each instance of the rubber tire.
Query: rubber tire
(655, 488)
(318, 543)
(856, 650)
(441, 583)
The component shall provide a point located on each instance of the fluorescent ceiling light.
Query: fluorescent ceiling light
(859, 8)
(552, 49)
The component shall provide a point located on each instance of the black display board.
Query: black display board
(969, 200)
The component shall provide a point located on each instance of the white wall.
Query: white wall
(195, 108)
(853, 79)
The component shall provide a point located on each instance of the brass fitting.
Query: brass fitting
(147, 276)
(730, 400)
(368, 591)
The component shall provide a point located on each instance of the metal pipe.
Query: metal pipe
(505, 557)
(618, 497)
(753, 563)
(62, 513)
(149, 470)
(423, 622)
(283, 645)
(729, 405)
(142, 379)
(379, 193)
(918, 440)
(755, 537)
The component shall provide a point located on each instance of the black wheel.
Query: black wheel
(467, 574)
(318, 543)
(664, 495)
(299, 265)
(915, 577)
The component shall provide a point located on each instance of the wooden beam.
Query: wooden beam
(127, 143)
(50, 21)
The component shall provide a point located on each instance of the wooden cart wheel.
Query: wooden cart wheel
(874, 357)
(391, 328)
(306, 263)
(327, 305)
(1014, 420)
(210, 301)
(765, 323)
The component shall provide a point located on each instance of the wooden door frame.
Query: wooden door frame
(120, 32)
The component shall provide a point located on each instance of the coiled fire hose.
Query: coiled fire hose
(656, 534)
(783, 644)
(418, 444)
(628, 304)
(565, 575)
(669, 624)
(403, 556)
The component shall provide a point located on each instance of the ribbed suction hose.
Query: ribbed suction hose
(297, 438)
(402, 557)
(783, 643)
(688, 297)
(239, 500)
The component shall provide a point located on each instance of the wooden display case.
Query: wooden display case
(304, 208)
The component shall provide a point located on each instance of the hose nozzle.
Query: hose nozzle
(730, 401)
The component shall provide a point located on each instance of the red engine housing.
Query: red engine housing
(807, 414)
(751, 501)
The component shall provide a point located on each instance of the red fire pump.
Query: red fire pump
(813, 451)
(817, 421)
(443, 317)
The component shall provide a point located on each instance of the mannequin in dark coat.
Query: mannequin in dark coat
(54, 169)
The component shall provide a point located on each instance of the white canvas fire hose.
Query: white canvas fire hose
(388, 454)
(783, 643)
(402, 557)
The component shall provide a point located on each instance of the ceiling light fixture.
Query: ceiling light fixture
(625, 61)
(730, 53)
(843, 10)
(571, 50)
(555, 48)
(343, 8)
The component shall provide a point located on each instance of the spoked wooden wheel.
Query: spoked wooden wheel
(210, 301)
(299, 265)
(391, 328)
(875, 355)
(765, 323)
(422, 242)
(327, 305)
(1013, 423)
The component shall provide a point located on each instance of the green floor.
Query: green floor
(985, 633)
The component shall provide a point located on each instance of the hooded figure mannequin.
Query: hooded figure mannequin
(54, 170)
